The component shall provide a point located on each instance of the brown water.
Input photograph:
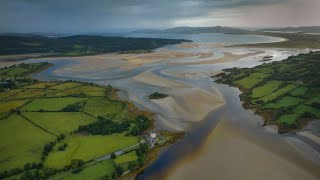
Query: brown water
(231, 144)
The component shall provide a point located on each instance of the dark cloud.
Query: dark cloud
(107, 15)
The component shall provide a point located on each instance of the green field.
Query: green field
(282, 92)
(85, 90)
(21, 142)
(314, 100)
(98, 171)
(126, 158)
(40, 85)
(300, 91)
(89, 147)
(286, 101)
(21, 70)
(4, 95)
(59, 122)
(49, 124)
(265, 89)
(27, 94)
(6, 106)
(301, 109)
(252, 80)
(278, 93)
(65, 86)
(51, 104)
(103, 107)
(289, 118)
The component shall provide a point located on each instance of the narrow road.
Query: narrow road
(118, 153)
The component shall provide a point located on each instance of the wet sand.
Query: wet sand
(199, 45)
(229, 154)
(186, 104)
(228, 57)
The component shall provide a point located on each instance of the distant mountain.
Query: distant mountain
(79, 45)
(303, 29)
(198, 30)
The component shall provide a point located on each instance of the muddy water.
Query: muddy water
(230, 142)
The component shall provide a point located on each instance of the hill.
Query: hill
(198, 30)
(303, 29)
(79, 45)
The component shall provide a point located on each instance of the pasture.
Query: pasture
(278, 93)
(286, 101)
(289, 119)
(103, 107)
(252, 80)
(126, 158)
(23, 146)
(265, 89)
(98, 170)
(82, 90)
(66, 85)
(87, 147)
(51, 104)
(59, 122)
(300, 91)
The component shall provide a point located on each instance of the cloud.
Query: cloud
(107, 15)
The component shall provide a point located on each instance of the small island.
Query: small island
(157, 95)
(285, 93)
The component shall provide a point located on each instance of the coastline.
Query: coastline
(171, 86)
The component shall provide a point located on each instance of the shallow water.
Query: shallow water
(201, 136)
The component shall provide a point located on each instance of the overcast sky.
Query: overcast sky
(75, 16)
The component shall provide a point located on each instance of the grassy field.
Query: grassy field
(125, 158)
(89, 147)
(41, 85)
(98, 171)
(278, 93)
(265, 89)
(252, 80)
(301, 109)
(51, 104)
(286, 101)
(59, 122)
(300, 91)
(103, 107)
(285, 96)
(6, 94)
(21, 70)
(65, 86)
(314, 100)
(289, 118)
(27, 94)
(86, 90)
(53, 123)
(5, 107)
(21, 142)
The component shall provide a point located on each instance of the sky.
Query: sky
(90, 16)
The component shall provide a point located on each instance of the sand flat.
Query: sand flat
(228, 57)
(153, 79)
(228, 154)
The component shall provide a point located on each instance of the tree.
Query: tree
(113, 156)
(106, 177)
(76, 163)
(132, 165)
(27, 166)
